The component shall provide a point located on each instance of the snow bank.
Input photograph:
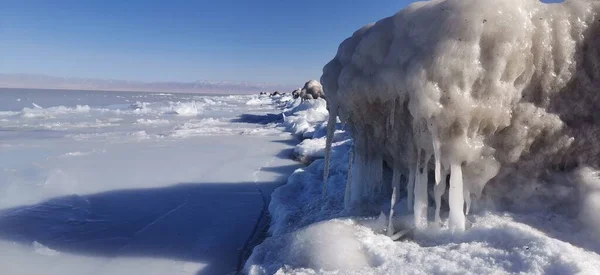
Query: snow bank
(487, 93)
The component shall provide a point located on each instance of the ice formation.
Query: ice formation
(311, 233)
(486, 91)
(312, 90)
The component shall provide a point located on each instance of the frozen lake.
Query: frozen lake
(133, 183)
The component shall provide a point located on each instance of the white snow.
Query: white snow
(495, 244)
(302, 116)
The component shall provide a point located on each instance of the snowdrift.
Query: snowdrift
(495, 94)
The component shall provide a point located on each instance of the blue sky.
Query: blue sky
(277, 41)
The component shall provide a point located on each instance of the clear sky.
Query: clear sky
(277, 41)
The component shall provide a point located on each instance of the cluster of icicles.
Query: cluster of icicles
(416, 184)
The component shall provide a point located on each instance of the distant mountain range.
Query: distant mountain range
(50, 82)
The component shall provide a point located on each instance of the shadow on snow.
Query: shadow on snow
(199, 222)
(258, 119)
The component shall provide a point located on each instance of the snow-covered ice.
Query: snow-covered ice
(134, 183)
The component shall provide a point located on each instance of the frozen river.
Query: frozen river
(133, 183)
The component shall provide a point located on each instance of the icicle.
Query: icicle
(413, 176)
(348, 192)
(410, 186)
(395, 185)
(330, 132)
(377, 166)
(457, 216)
(393, 113)
(420, 197)
(436, 155)
(440, 183)
(390, 119)
(467, 196)
(438, 191)
(359, 176)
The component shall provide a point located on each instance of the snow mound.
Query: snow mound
(328, 246)
(488, 93)
(301, 118)
(314, 148)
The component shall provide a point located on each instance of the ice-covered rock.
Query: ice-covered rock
(491, 92)
(312, 90)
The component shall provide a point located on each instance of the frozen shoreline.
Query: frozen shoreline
(314, 234)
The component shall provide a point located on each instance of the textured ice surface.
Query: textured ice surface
(507, 90)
